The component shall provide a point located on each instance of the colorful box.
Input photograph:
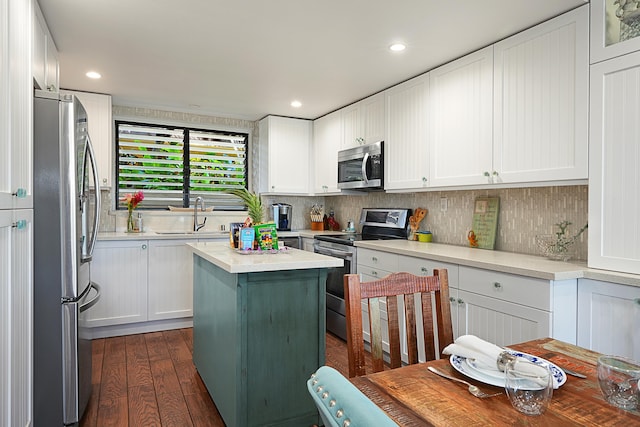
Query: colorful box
(267, 236)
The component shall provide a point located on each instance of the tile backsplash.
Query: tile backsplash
(524, 213)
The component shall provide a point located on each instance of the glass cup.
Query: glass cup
(528, 386)
(618, 378)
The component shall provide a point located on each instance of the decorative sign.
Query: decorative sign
(485, 221)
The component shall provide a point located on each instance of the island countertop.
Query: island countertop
(221, 255)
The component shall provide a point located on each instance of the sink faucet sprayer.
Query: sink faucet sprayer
(196, 225)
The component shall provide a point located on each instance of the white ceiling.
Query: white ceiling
(246, 59)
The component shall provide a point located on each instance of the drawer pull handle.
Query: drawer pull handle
(20, 193)
(374, 273)
(424, 269)
(497, 285)
(452, 299)
(460, 301)
(144, 246)
(374, 259)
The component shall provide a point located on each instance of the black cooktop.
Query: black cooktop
(349, 238)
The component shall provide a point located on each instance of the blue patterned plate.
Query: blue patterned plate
(496, 378)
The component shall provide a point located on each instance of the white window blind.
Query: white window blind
(174, 165)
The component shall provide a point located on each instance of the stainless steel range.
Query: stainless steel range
(377, 224)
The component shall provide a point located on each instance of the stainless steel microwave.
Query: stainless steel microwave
(362, 167)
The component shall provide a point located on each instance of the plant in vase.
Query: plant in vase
(132, 200)
(559, 246)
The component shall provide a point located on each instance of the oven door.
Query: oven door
(336, 310)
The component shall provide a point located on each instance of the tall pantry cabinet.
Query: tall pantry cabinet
(614, 162)
(16, 214)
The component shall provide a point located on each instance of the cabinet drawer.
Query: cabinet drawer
(378, 260)
(368, 274)
(527, 291)
(424, 267)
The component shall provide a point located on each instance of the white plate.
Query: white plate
(496, 378)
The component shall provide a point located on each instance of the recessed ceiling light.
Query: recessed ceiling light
(296, 104)
(93, 75)
(397, 47)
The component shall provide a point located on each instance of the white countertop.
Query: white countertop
(507, 262)
(220, 254)
(203, 234)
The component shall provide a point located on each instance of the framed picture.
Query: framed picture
(615, 28)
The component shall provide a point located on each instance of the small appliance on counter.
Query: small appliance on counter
(282, 216)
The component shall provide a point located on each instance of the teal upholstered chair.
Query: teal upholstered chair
(341, 404)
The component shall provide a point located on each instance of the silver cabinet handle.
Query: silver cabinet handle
(144, 247)
(374, 259)
(374, 273)
(497, 285)
(452, 299)
(460, 301)
(424, 270)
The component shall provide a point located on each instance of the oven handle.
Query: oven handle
(332, 252)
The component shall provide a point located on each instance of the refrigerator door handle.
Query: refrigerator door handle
(96, 219)
(87, 305)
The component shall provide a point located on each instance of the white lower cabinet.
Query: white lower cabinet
(170, 279)
(307, 244)
(506, 308)
(609, 318)
(120, 268)
(16, 313)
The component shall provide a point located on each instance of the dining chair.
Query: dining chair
(341, 404)
(432, 291)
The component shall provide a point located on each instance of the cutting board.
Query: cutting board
(485, 221)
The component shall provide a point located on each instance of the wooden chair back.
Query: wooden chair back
(390, 287)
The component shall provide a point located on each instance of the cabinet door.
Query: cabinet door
(52, 74)
(170, 279)
(16, 327)
(608, 318)
(16, 111)
(364, 121)
(500, 322)
(614, 186)
(98, 108)
(285, 145)
(327, 138)
(120, 268)
(39, 52)
(541, 101)
(307, 244)
(461, 103)
(406, 144)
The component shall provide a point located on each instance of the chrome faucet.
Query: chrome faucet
(196, 225)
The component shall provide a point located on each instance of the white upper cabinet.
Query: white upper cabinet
(99, 113)
(541, 102)
(614, 162)
(364, 121)
(327, 137)
(406, 144)
(461, 103)
(45, 68)
(284, 149)
(16, 111)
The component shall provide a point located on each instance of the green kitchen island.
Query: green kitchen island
(259, 331)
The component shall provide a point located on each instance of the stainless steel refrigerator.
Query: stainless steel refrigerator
(66, 199)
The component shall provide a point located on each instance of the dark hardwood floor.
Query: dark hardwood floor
(150, 380)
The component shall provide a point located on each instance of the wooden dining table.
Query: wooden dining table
(413, 396)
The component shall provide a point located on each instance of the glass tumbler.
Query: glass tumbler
(529, 386)
(618, 378)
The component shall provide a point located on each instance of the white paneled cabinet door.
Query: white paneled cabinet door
(614, 161)
(327, 139)
(364, 121)
(461, 125)
(500, 322)
(170, 279)
(541, 101)
(16, 326)
(608, 318)
(99, 115)
(285, 146)
(120, 268)
(406, 145)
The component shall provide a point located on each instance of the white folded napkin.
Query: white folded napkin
(471, 347)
